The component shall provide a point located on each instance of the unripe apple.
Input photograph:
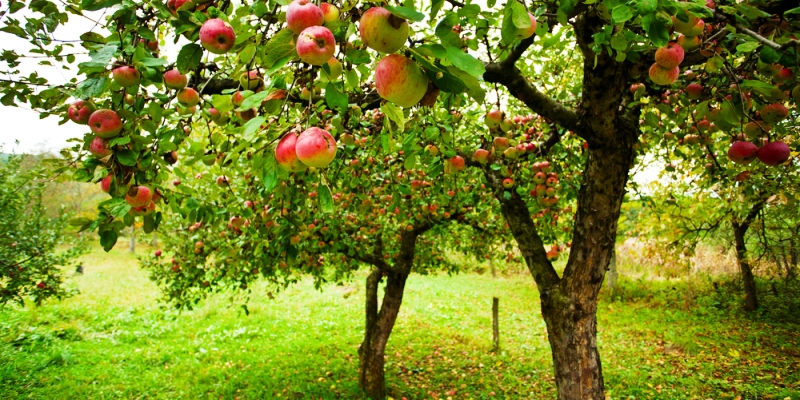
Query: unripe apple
(348, 139)
(506, 125)
(303, 14)
(493, 119)
(99, 147)
(432, 150)
(188, 97)
(753, 129)
(173, 79)
(80, 111)
(126, 76)
(315, 147)
(286, 155)
(508, 183)
(688, 27)
(526, 33)
(694, 90)
(742, 152)
(689, 43)
(105, 184)
(316, 45)
(382, 31)
(551, 181)
(637, 87)
(216, 116)
(662, 76)
(774, 153)
(250, 80)
(400, 80)
(540, 177)
(105, 123)
(670, 56)
(796, 94)
(217, 36)
(138, 196)
(481, 156)
(774, 113)
(335, 66)
(329, 12)
(501, 143)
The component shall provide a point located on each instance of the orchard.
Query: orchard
(271, 140)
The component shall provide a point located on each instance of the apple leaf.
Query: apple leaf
(621, 13)
(91, 88)
(252, 126)
(793, 11)
(254, 100)
(465, 62)
(436, 5)
(656, 30)
(406, 13)
(278, 47)
(108, 239)
(325, 199)
(395, 115)
(647, 6)
(335, 98)
(126, 157)
(189, 57)
(747, 47)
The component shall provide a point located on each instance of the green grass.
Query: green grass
(115, 341)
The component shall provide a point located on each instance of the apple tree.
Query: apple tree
(273, 83)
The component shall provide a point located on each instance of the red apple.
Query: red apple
(742, 152)
(382, 31)
(99, 147)
(694, 90)
(508, 183)
(481, 156)
(217, 36)
(329, 11)
(173, 79)
(105, 184)
(400, 80)
(774, 113)
(157, 253)
(80, 111)
(457, 163)
(138, 196)
(303, 14)
(316, 45)
(774, 153)
(501, 143)
(662, 76)
(315, 147)
(188, 97)
(105, 123)
(286, 155)
(126, 76)
(670, 56)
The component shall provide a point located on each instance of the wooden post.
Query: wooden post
(495, 324)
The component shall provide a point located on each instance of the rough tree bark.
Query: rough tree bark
(569, 303)
(739, 232)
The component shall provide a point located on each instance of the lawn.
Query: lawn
(114, 340)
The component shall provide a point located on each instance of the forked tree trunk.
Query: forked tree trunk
(379, 326)
(750, 299)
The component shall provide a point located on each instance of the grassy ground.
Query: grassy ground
(114, 341)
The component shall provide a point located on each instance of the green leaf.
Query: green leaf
(335, 98)
(91, 88)
(94, 5)
(79, 221)
(465, 62)
(108, 239)
(126, 157)
(254, 100)
(435, 7)
(621, 13)
(769, 55)
(149, 223)
(747, 47)
(146, 33)
(252, 127)
(325, 199)
(405, 13)
(794, 11)
(656, 30)
(618, 42)
(279, 46)
(189, 57)
(471, 84)
(519, 15)
(395, 115)
(647, 6)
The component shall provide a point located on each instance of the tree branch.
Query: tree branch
(756, 36)
(511, 77)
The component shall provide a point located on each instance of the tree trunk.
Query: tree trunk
(379, 326)
(750, 300)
